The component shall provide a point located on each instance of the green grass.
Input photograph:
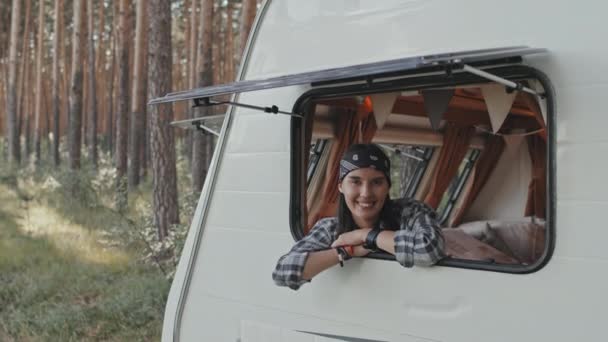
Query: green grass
(58, 282)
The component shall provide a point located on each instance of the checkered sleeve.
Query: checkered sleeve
(419, 240)
(288, 271)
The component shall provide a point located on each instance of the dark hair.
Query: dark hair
(345, 217)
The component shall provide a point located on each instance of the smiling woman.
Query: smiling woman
(368, 221)
(472, 153)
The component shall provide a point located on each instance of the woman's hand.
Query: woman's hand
(354, 238)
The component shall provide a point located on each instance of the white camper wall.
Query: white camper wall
(244, 223)
(505, 194)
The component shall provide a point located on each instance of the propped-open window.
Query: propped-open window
(482, 159)
(445, 106)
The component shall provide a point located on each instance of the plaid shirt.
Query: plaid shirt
(418, 241)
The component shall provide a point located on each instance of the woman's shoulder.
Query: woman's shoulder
(329, 223)
(409, 206)
(326, 226)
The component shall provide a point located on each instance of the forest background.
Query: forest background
(97, 190)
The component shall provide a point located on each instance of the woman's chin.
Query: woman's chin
(366, 214)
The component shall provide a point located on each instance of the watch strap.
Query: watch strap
(370, 240)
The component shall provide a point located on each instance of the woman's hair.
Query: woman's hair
(345, 217)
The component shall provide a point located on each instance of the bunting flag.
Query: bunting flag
(383, 106)
(512, 141)
(436, 102)
(542, 102)
(499, 103)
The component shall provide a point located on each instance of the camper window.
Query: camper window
(482, 164)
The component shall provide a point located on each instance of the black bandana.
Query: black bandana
(365, 155)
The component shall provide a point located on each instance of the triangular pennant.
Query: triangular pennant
(513, 141)
(499, 103)
(542, 102)
(436, 102)
(383, 106)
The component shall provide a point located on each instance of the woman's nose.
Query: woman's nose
(366, 189)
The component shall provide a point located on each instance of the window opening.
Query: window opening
(316, 149)
(408, 164)
(454, 190)
(510, 248)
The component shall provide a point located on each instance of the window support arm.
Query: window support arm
(498, 79)
(204, 129)
(207, 102)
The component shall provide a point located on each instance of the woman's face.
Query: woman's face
(365, 191)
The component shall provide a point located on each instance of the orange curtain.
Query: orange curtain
(537, 190)
(530, 101)
(308, 126)
(456, 142)
(484, 167)
(358, 127)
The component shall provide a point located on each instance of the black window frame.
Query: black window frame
(304, 104)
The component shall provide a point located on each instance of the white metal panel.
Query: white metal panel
(582, 170)
(274, 205)
(257, 172)
(328, 33)
(465, 304)
(582, 232)
(274, 127)
(582, 113)
(564, 301)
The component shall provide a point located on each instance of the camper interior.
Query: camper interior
(476, 152)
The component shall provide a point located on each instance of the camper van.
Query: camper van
(490, 112)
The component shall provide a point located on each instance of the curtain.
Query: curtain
(537, 147)
(355, 127)
(307, 131)
(530, 101)
(484, 167)
(455, 145)
(537, 189)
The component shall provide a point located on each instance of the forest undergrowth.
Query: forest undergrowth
(74, 269)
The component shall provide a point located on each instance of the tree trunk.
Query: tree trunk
(162, 140)
(57, 36)
(204, 67)
(229, 75)
(92, 96)
(248, 12)
(110, 99)
(39, 96)
(100, 73)
(139, 97)
(145, 154)
(14, 154)
(192, 72)
(123, 105)
(76, 88)
(21, 89)
(26, 106)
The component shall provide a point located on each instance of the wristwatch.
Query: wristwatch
(370, 240)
